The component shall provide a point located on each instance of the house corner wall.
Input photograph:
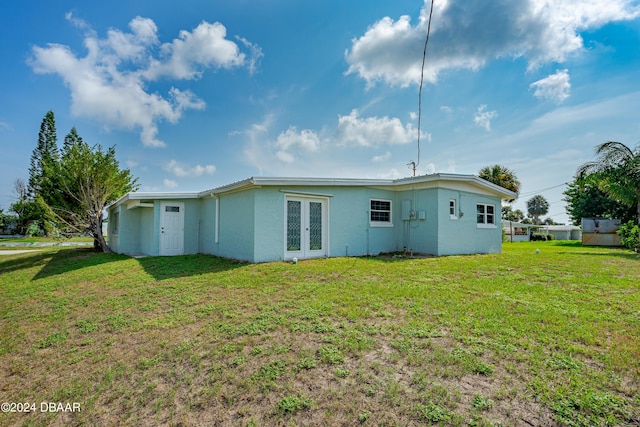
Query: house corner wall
(268, 244)
(462, 235)
(112, 236)
(237, 226)
(146, 236)
(127, 239)
(413, 232)
(206, 236)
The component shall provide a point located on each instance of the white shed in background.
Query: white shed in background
(600, 232)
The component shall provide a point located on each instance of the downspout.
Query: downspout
(368, 228)
(217, 227)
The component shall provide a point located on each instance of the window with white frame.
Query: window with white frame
(380, 212)
(485, 214)
(452, 209)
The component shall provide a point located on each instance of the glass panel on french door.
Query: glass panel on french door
(294, 217)
(315, 226)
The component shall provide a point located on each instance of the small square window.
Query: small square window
(172, 208)
(380, 213)
(485, 214)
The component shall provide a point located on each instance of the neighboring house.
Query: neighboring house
(10, 225)
(562, 232)
(269, 219)
(517, 231)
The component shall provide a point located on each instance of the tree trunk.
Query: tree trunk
(638, 248)
(99, 243)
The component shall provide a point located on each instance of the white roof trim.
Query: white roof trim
(153, 196)
(255, 182)
(305, 193)
(359, 182)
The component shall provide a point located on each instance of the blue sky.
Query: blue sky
(211, 92)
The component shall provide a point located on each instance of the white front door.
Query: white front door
(305, 228)
(171, 228)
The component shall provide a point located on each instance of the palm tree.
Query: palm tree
(536, 207)
(502, 176)
(616, 171)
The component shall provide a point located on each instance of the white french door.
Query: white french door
(171, 228)
(305, 228)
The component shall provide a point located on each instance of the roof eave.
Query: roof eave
(153, 196)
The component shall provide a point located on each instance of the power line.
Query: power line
(529, 193)
(424, 57)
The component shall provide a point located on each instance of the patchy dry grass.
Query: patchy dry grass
(510, 339)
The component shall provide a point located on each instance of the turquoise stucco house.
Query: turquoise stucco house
(268, 219)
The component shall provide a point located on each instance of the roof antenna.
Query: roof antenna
(414, 165)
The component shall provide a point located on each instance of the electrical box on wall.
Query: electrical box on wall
(406, 210)
(422, 215)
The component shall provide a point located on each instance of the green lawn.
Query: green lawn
(513, 339)
(44, 239)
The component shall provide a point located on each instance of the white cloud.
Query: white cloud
(391, 174)
(187, 56)
(77, 22)
(110, 83)
(307, 150)
(467, 34)
(4, 125)
(446, 109)
(256, 54)
(131, 163)
(170, 183)
(381, 158)
(373, 131)
(555, 87)
(483, 118)
(306, 140)
(430, 168)
(256, 151)
(182, 169)
(578, 120)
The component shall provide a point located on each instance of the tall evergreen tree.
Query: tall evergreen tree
(44, 158)
(72, 138)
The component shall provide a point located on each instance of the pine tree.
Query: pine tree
(44, 158)
(72, 138)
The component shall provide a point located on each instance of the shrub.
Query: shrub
(34, 230)
(629, 235)
(542, 237)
